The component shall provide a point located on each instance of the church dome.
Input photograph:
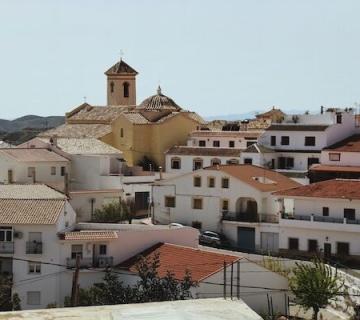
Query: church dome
(159, 102)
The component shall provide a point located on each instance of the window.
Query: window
(215, 162)
(63, 171)
(309, 141)
(231, 144)
(211, 182)
(334, 156)
(286, 163)
(349, 214)
(202, 143)
(343, 248)
(103, 249)
(312, 161)
(225, 205)
(6, 234)
(248, 161)
(10, 176)
(312, 246)
(122, 133)
(197, 164)
(249, 143)
(33, 297)
(225, 183)
(126, 89)
(31, 172)
(197, 203)
(76, 250)
(196, 225)
(285, 140)
(273, 140)
(170, 202)
(112, 87)
(34, 267)
(293, 244)
(216, 143)
(197, 181)
(175, 163)
(325, 211)
(53, 171)
(338, 118)
(232, 161)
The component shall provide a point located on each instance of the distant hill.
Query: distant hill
(25, 128)
(30, 121)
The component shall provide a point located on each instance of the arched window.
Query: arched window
(215, 161)
(112, 87)
(122, 133)
(126, 89)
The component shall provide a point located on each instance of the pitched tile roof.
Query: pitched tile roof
(30, 204)
(84, 146)
(32, 155)
(329, 168)
(159, 101)
(121, 67)
(78, 131)
(177, 259)
(297, 127)
(29, 191)
(260, 178)
(335, 189)
(200, 151)
(101, 114)
(350, 144)
(89, 235)
(258, 148)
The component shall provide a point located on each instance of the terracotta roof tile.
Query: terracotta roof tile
(335, 189)
(350, 144)
(260, 178)
(78, 131)
(177, 259)
(297, 127)
(90, 235)
(29, 191)
(329, 168)
(121, 67)
(200, 151)
(232, 134)
(96, 113)
(32, 155)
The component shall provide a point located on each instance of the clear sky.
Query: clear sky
(213, 57)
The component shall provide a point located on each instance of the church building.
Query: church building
(140, 130)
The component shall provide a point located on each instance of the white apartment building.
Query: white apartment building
(22, 165)
(30, 218)
(184, 159)
(324, 217)
(223, 139)
(230, 199)
(340, 160)
(295, 144)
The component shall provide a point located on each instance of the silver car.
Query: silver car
(210, 238)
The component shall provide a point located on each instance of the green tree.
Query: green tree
(113, 212)
(8, 302)
(314, 285)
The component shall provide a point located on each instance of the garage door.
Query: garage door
(269, 241)
(246, 239)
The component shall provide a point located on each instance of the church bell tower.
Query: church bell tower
(121, 85)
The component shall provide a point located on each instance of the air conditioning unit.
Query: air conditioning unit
(18, 234)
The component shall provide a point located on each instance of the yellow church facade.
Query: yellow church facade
(145, 130)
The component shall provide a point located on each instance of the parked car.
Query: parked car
(174, 224)
(210, 238)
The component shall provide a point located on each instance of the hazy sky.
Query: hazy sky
(213, 57)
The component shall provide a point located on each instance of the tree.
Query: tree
(148, 164)
(150, 288)
(8, 302)
(314, 285)
(113, 212)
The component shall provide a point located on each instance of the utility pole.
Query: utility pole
(231, 280)
(75, 283)
(238, 279)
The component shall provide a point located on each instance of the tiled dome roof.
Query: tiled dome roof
(159, 102)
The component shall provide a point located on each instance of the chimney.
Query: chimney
(160, 173)
(322, 109)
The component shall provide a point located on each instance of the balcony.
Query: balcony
(314, 218)
(34, 247)
(95, 262)
(6, 247)
(249, 217)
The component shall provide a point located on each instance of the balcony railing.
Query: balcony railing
(34, 247)
(95, 262)
(6, 247)
(313, 218)
(250, 217)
